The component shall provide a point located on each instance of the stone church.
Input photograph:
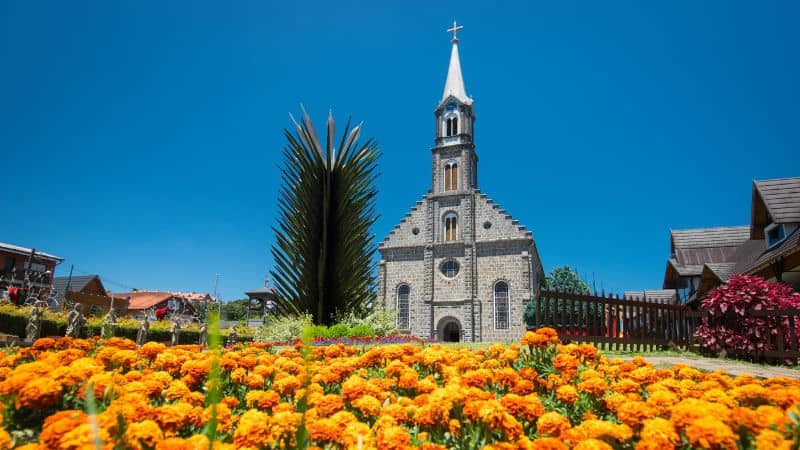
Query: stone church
(458, 267)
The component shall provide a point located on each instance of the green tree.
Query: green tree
(235, 310)
(565, 279)
(323, 244)
(562, 278)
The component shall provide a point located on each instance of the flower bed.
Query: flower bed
(68, 394)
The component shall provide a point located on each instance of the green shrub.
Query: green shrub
(13, 320)
(338, 331)
(283, 329)
(382, 321)
(361, 330)
(316, 331)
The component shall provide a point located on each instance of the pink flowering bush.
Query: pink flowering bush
(728, 325)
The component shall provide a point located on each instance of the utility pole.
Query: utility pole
(219, 304)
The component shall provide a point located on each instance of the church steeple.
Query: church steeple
(454, 158)
(454, 114)
(454, 86)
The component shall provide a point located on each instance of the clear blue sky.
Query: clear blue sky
(140, 139)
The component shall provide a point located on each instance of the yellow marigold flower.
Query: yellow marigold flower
(661, 401)
(83, 437)
(286, 384)
(768, 415)
(567, 393)
(144, 434)
(6, 443)
(264, 400)
(634, 413)
(659, 432)
(367, 405)
(324, 430)
(252, 429)
(552, 424)
(595, 386)
(173, 416)
(527, 407)
(393, 438)
(689, 410)
(592, 444)
(772, 440)
(708, 432)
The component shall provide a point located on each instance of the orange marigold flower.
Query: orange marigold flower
(264, 400)
(708, 432)
(252, 429)
(549, 443)
(552, 424)
(772, 440)
(592, 444)
(143, 435)
(393, 438)
(634, 413)
(567, 393)
(367, 405)
(659, 432)
(39, 393)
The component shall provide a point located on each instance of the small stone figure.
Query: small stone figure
(203, 337)
(233, 337)
(144, 327)
(34, 327)
(109, 327)
(175, 333)
(75, 321)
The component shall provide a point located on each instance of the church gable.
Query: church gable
(411, 229)
(492, 222)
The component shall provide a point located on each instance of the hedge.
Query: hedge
(13, 320)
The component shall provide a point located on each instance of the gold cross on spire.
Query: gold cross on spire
(454, 30)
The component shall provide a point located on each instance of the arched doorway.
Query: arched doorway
(449, 330)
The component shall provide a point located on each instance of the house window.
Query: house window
(451, 176)
(403, 309)
(501, 305)
(775, 234)
(450, 227)
(450, 269)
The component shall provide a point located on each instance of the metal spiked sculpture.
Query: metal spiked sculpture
(323, 242)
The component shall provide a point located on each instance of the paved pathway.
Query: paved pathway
(731, 367)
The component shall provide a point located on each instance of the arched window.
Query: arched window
(501, 305)
(451, 176)
(403, 307)
(450, 227)
(451, 126)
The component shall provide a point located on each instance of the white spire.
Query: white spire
(455, 81)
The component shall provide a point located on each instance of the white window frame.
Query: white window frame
(450, 164)
(771, 227)
(408, 306)
(508, 305)
(449, 215)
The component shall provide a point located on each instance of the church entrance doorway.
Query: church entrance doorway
(449, 330)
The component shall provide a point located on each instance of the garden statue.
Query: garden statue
(34, 327)
(75, 321)
(175, 333)
(233, 337)
(203, 335)
(109, 327)
(144, 327)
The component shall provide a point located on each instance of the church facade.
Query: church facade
(458, 267)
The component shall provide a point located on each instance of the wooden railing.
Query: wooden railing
(615, 323)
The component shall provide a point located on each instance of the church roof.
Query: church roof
(454, 86)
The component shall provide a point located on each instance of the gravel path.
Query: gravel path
(731, 367)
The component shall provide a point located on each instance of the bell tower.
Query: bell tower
(455, 162)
